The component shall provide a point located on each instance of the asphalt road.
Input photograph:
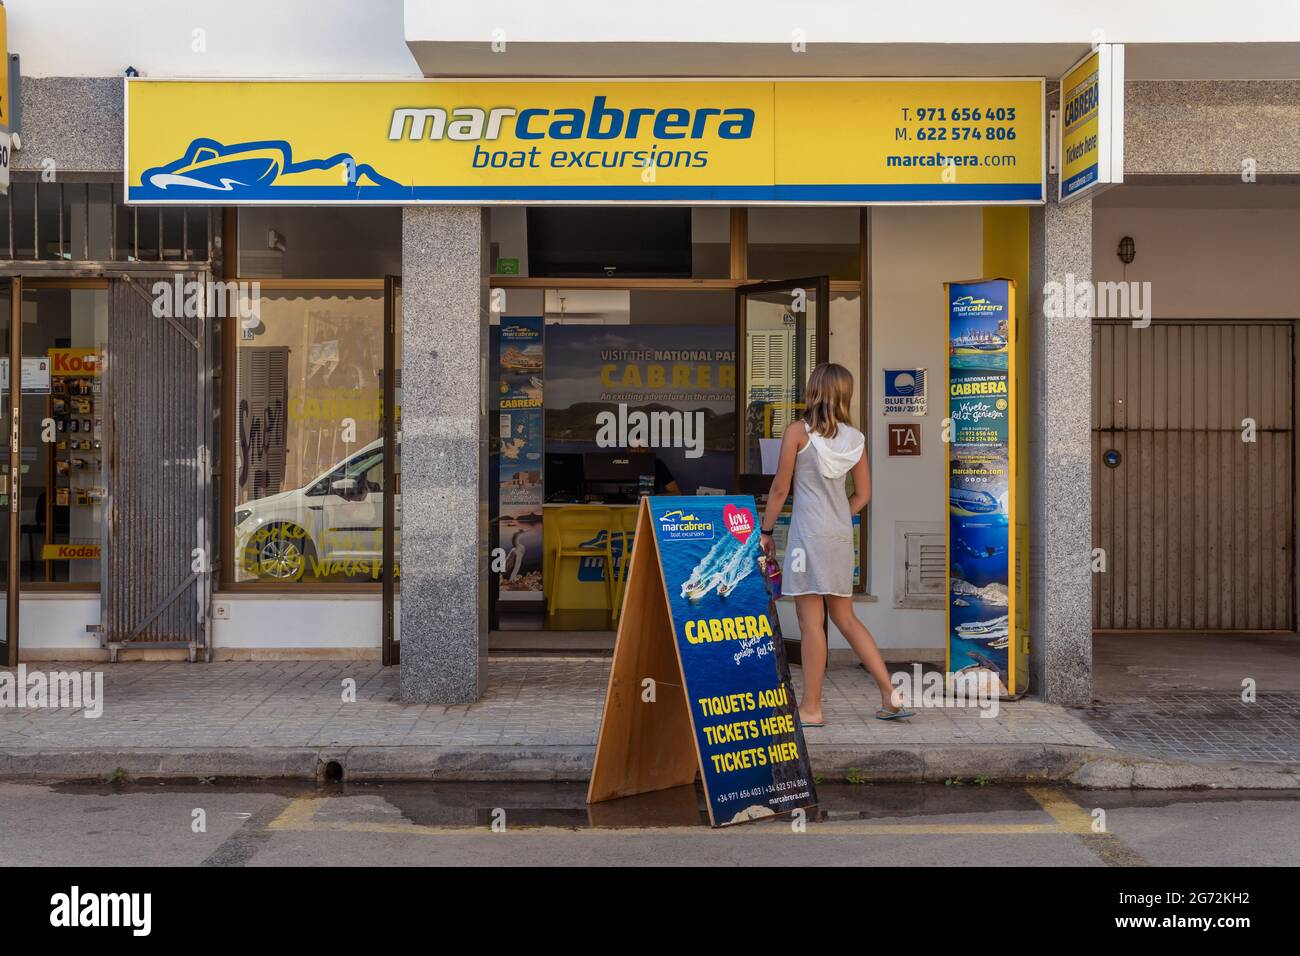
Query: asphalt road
(500, 825)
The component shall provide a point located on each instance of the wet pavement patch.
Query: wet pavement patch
(1203, 725)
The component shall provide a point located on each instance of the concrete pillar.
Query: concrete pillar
(444, 436)
(1060, 458)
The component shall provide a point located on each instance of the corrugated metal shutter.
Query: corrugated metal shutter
(1196, 524)
(158, 421)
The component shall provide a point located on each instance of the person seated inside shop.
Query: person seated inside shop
(665, 482)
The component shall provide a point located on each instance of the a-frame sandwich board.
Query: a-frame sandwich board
(644, 746)
(714, 659)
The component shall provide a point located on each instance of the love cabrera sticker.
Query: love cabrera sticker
(739, 521)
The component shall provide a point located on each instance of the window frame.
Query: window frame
(739, 275)
(229, 407)
(67, 588)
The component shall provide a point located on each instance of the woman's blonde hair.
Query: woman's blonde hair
(827, 397)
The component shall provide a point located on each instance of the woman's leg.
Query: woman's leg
(860, 639)
(812, 652)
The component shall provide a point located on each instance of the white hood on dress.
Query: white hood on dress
(837, 456)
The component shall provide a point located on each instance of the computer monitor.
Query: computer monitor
(564, 477)
(616, 476)
(615, 466)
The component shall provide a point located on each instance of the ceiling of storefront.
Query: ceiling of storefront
(1148, 61)
(1258, 195)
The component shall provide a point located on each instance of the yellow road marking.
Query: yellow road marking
(300, 814)
(1071, 817)
(1075, 820)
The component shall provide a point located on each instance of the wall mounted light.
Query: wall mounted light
(1127, 250)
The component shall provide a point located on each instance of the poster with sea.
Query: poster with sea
(753, 758)
(980, 488)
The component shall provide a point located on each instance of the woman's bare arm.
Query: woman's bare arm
(795, 437)
(861, 485)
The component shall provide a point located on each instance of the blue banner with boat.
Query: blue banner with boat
(697, 595)
(981, 491)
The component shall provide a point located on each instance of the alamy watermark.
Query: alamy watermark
(977, 688)
(55, 690)
(190, 298)
(133, 911)
(1075, 299)
(653, 429)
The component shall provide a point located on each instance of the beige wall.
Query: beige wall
(913, 252)
(1204, 261)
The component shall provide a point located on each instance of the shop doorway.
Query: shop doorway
(1193, 476)
(782, 334)
(53, 489)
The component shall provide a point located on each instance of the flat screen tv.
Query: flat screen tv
(633, 242)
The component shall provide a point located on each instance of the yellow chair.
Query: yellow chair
(579, 521)
(623, 523)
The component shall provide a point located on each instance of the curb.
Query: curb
(1087, 767)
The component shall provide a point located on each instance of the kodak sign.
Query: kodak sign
(74, 362)
(70, 552)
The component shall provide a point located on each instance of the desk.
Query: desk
(584, 588)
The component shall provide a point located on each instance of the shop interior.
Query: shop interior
(618, 370)
(702, 333)
(62, 439)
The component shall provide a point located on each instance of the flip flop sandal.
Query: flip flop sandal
(806, 724)
(882, 714)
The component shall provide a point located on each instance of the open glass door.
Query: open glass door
(11, 298)
(392, 424)
(782, 333)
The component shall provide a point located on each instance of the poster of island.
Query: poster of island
(667, 389)
(981, 501)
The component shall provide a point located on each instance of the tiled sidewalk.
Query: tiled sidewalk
(529, 702)
(1204, 725)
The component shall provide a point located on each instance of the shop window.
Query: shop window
(793, 242)
(62, 502)
(600, 396)
(308, 469)
(615, 242)
(612, 355)
(84, 221)
(293, 242)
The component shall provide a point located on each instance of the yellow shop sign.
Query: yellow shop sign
(70, 552)
(1092, 123)
(74, 362)
(485, 142)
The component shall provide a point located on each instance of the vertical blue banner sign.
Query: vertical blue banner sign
(982, 630)
(520, 470)
(753, 759)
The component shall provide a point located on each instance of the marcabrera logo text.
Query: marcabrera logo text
(599, 123)
(54, 691)
(469, 123)
(680, 525)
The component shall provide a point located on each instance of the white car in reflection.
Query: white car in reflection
(331, 526)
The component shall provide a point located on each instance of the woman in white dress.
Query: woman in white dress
(817, 453)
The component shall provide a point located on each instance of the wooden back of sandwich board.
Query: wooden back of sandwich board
(644, 745)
